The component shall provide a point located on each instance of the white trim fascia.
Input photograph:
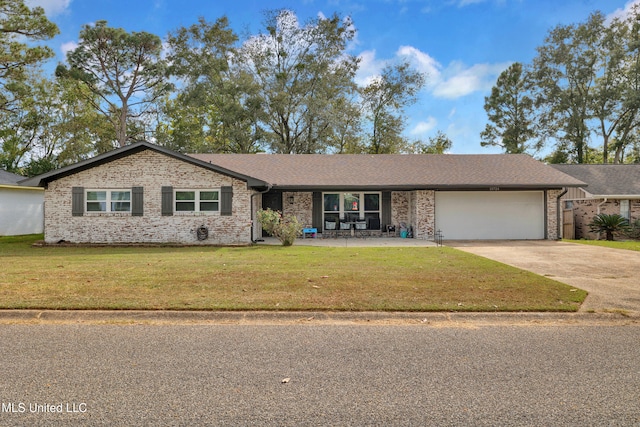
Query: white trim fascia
(617, 196)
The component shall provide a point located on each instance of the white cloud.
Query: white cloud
(369, 67)
(622, 13)
(425, 126)
(459, 80)
(51, 7)
(456, 80)
(453, 81)
(67, 47)
(422, 62)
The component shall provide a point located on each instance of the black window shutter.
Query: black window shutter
(226, 200)
(386, 209)
(167, 201)
(77, 201)
(137, 201)
(316, 211)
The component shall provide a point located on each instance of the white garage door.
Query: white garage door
(480, 215)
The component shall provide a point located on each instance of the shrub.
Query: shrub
(633, 231)
(285, 228)
(609, 224)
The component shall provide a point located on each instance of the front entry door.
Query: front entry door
(272, 200)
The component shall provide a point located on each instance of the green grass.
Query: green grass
(269, 278)
(631, 245)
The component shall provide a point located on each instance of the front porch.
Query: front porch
(358, 212)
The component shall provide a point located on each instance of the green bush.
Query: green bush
(633, 232)
(285, 228)
(609, 224)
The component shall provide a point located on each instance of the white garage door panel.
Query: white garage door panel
(462, 215)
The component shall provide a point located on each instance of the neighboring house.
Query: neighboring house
(20, 206)
(146, 193)
(612, 189)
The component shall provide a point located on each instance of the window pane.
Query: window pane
(96, 206)
(371, 202)
(332, 202)
(185, 195)
(209, 206)
(208, 195)
(332, 217)
(185, 206)
(121, 195)
(624, 210)
(351, 201)
(120, 206)
(96, 195)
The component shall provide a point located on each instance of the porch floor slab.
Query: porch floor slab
(355, 242)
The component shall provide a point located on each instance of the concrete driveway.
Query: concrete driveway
(611, 276)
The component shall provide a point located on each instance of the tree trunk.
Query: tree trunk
(122, 126)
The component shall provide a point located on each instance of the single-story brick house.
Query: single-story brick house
(612, 189)
(20, 206)
(146, 193)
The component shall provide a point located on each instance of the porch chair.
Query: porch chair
(373, 225)
(345, 228)
(329, 229)
(361, 228)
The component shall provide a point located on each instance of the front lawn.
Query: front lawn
(632, 245)
(269, 278)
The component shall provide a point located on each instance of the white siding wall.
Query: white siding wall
(21, 211)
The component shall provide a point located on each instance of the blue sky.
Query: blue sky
(462, 45)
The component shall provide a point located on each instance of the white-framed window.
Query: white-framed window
(197, 200)
(625, 212)
(352, 205)
(107, 200)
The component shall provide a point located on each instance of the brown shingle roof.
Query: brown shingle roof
(402, 171)
(606, 180)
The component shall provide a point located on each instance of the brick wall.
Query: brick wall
(150, 170)
(416, 209)
(302, 207)
(400, 211)
(552, 214)
(424, 214)
(584, 211)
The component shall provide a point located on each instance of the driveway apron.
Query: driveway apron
(611, 276)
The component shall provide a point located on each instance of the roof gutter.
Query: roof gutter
(616, 196)
(411, 187)
(20, 187)
(604, 200)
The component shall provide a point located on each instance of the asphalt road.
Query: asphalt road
(527, 375)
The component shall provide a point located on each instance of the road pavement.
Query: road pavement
(320, 374)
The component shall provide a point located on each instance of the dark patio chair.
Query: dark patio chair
(373, 225)
(361, 228)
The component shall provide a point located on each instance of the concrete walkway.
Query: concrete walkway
(611, 276)
(355, 242)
